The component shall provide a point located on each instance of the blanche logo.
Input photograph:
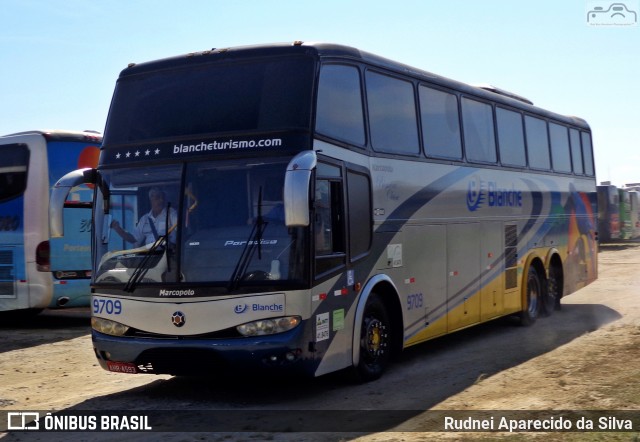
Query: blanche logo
(475, 194)
(611, 13)
(255, 307)
(492, 194)
(267, 307)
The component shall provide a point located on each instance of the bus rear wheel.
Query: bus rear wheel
(551, 299)
(534, 295)
(375, 340)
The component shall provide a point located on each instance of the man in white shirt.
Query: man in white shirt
(152, 225)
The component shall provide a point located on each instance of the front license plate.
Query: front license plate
(122, 367)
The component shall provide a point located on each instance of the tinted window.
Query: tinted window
(576, 151)
(14, 161)
(587, 153)
(440, 123)
(560, 148)
(212, 98)
(511, 137)
(392, 114)
(339, 109)
(328, 223)
(359, 195)
(537, 142)
(479, 137)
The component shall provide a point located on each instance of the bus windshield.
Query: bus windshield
(223, 97)
(223, 225)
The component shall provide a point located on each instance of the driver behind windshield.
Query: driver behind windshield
(152, 225)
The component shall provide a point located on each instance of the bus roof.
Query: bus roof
(337, 51)
(63, 135)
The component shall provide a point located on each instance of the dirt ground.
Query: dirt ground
(47, 364)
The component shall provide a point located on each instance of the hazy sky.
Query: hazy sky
(59, 59)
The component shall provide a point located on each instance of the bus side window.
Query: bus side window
(339, 112)
(587, 154)
(13, 171)
(576, 151)
(479, 136)
(560, 155)
(537, 143)
(329, 237)
(393, 121)
(322, 221)
(511, 137)
(440, 123)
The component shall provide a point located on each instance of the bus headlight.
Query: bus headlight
(268, 326)
(108, 327)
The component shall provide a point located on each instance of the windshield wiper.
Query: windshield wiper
(142, 268)
(255, 238)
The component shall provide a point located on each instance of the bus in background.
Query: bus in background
(36, 271)
(624, 207)
(634, 198)
(634, 203)
(314, 207)
(608, 212)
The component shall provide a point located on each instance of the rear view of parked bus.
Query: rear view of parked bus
(37, 272)
(313, 207)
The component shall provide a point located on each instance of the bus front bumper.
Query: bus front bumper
(278, 353)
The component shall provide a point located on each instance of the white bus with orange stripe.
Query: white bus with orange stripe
(38, 272)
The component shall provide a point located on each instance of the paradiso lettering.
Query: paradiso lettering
(479, 193)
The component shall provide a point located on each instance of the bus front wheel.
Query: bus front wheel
(375, 340)
(534, 295)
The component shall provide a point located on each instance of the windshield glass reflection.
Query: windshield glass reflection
(223, 226)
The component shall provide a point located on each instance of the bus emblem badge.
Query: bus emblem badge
(178, 319)
(475, 194)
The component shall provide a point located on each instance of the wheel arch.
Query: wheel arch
(554, 260)
(386, 289)
(538, 262)
(554, 283)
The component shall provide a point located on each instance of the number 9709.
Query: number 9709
(107, 306)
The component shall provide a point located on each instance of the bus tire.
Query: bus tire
(375, 340)
(551, 299)
(534, 294)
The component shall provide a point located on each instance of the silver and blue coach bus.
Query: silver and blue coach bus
(314, 207)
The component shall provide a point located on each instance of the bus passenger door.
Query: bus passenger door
(492, 271)
(463, 268)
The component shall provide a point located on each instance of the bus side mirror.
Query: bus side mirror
(59, 195)
(297, 183)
